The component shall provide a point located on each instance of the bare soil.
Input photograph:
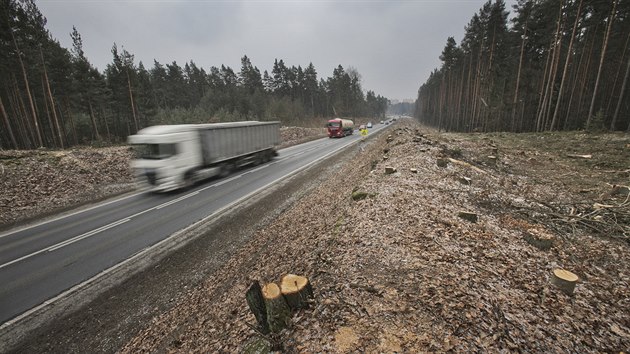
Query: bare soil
(399, 270)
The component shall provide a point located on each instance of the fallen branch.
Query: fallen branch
(466, 164)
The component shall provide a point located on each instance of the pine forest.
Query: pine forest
(54, 97)
(556, 65)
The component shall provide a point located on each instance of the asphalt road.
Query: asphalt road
(39, 262)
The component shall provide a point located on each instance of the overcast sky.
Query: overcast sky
(394, 45)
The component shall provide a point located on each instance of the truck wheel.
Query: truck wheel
(226, 169)
(189, 180)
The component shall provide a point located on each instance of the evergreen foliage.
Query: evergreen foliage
(559, 61)
(54, 97)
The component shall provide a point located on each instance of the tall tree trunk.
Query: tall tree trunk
(50, 122)
(584, 76)
(518, 75)
(601, 64)
(133, 109)
(5, 118)
(542, 113)
(28, 123)
(52, 100)
(14, 106)
(28, 89)
(621, 94)
(566, 66)
(543, 96)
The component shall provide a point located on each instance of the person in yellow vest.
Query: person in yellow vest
(364, 132)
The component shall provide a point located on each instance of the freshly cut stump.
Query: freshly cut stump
(278, 312)
(564, 280)
(297, 290)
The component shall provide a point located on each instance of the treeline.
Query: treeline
(54, 97)
(561, 65)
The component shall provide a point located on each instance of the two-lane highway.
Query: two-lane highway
(41, 261)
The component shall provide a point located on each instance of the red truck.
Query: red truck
(338, 128)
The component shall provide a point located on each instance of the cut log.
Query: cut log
(278, 312)
(564, 280)
(413, 170)
(297, 290)
(257, 306)
(389, 170)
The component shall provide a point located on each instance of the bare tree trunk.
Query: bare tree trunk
(50, 122)
(576, 80)
(28, 89)
(558, 51)
(566, 66)
(623, 90)
(133, 109)
(5, 117)
(601, 64)
(584, 76)
(14, 106)
(518, 75)
(542, 96)
(28, 123)
(542, 113)
(52, 101)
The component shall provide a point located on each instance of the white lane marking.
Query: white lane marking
(11, 232)
(86, 235)
(174, 201)
(67, 242)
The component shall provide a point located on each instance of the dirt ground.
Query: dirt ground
(397, 267)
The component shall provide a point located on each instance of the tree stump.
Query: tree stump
(278, 312)
(256, 304)
(297, 290)
(539, 240)
(564, 280)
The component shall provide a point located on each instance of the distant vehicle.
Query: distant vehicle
(338, 128)
(369, 125)
(382, 122)
(169, 157)
(362, 126)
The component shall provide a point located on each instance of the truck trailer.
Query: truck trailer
(338, 128)
(170, 157)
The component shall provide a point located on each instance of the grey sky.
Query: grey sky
(393, 44)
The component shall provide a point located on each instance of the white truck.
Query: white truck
(169, 157)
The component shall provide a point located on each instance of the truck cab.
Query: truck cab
(164, 155)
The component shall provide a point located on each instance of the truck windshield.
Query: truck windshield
(334, 124)
(154, 151)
